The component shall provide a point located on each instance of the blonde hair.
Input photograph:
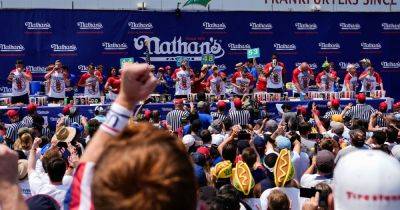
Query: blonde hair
(24, 143)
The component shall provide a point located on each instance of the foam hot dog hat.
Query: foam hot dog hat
(283, 169)
(222, 170)
(242, 179)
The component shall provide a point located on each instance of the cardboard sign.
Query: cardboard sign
(253, 53)
(207, 59)
(125, 60)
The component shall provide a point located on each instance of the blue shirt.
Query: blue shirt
(205, 119)
(186, 129)
(253, 71)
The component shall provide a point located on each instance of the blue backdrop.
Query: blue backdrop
(79, 37)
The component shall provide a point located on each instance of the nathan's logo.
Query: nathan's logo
(5, 89)
(260, 26)
(37, 69)
(233, 46)
(350, 26)
(140, 26)
(177, 47)
(390, 64)
(278, 46)
(391, 26)
(89, 26)
(214, 26)
(63, 48)
(306, 26)
(371, 46)
(11, 48)
(41, 112)
(82, 68)
(37, 25)
(114, 46)
(311, 65)
(329, 46)
(343, 65)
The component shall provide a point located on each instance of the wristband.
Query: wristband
(116, 120)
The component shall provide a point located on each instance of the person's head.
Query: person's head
(229, 152)
(223, 203)
(99, 68)
(383, 106)
(357, 137)
(269, 161)
(237, 102)
(202, 106)
(43, 202)
(152, 68)
(92, 126)
(304, 66)
(215, 70)
(143, 177)
(58, 65)
(278, 200)
(249, 156)
(239, 67)
(22, 169)
(351, 68)
(274, 56)
(24, 143)
(365, 63)
(379, 137)
(361, 98)
(31, 108)
(304, 128)
(113, 71)
(325, 162)
(250, 63)
(329, 144)
(205, 136)
(221, 105)
(195, 126)
(19, 64)
(337, 128)
(91, 69)
(56, 168)
(50, 154)
(178, 103)
(335, 104)
(13, 115)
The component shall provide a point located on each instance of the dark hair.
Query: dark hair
(110, 70)
(357, 137)
(223, 203)
(380, 137)
(214, 152)
(201, 96)
(278, 200)
(56, 168)
(227, 123)
(205, 135)
(304, 128)
(229, 152)
(37, 122)
(392, 134)
(249, 156)
(155, 115)
(92, 126)
(193, 116)
(19, 61)
(195, 126)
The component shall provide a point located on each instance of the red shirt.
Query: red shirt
(115, 83)
(261, 83)
(302, 78)
(269, 65)
(374, 74)
(99, 75)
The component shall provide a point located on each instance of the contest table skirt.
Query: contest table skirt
(52, 113)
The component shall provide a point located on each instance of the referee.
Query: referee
(12, 129)
(238, 115)
(220, 113)
(361, 110)
(335, 109)
(174, 117)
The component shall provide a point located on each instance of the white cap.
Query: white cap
(217, 139)
(350, 66)
(367, 180)
(188, 141)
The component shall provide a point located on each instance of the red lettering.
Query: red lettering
(366, 197)
(359, 196)
(387, 198)
(349, 194)
(374, 198)
(380, 197)
(394, 198)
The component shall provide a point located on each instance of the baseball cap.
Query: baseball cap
(31, 107)
(217, 139)
(368, 180)
(221, 104)
(302, 110)
(237, 102)
(147, 114)
(201, 104)
(396, 105)
(216, 126)
(68, 109)
(12, 113)
(204, 151)
(325, 160)
(42, 202)
(259, 141)
(361, 98)
(188, 141)
(335, 103)
(198, 158)
(283, 142)
(383, 106)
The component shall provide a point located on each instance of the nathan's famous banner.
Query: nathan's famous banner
(80, 37)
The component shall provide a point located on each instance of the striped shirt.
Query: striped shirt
(47, 132)
(328, 114)
(72, 119)
(360, 111)
(27, 121)
(12, 130)
(174, 118)
(380, 121)
(239, 117)
(219, 116)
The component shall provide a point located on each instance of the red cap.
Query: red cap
(31, 107)
(383, 106)
(147, 114)
(66, 109)
(335, 103)
(204, 151)
(396, 105)
(178, 101)
(237, 102)
(167, 67)
(12, 113)
(361, 98)
(301, 110)
(221, 104)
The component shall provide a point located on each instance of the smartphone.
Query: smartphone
(310, 192)
(314, 136)
(307, 192)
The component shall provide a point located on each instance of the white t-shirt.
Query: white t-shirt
(20, 85)
(182, 86)
(275, 78)
(244, 84)
(92, 87)
(353, 82)
(310, 180)
(25, 188)
(292, 193)
(39, 186)
(300, 163)
(217, 139)
(217, 86)
(368, 84)
(57, 85)
(254, 203)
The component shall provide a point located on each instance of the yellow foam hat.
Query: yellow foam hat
(242, 179)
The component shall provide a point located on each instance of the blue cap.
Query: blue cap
(259, 141)
(283, 142)
(79, 128)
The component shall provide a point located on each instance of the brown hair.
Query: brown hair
(278, 200)
(144, 168)
(24, 143)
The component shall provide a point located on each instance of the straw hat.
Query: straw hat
(64, 134)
